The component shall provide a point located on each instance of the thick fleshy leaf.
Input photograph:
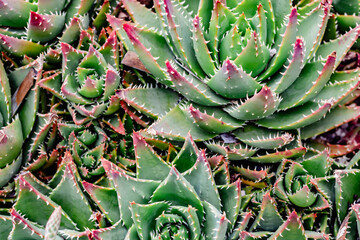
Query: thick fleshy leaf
(176, 190)
(261, 105)
(106, 199)
(187, 156)
(5, 96)
(144, 216)
(233, 151)
(230, 195)
(296, 117)
(202, 51)
(142, 15)
(254, 57)
(179, 28)
(11, 140)
(213, 120)
(138, 98)
(152, 56)
(341, 45)
(201, 178)
(283, 46)
(232, 82)
(268, 219)
(292, 229)
(128, 190)
(335, 118)
(316, 21)
(69, 196)
(30, 198)
(262, 137)
(149, 165)
(20, 47)
(164, 127)
(346, 187)
(313, 78)
(43, 28)
(216, 224)
(193, 89)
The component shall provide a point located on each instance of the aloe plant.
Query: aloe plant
(88, 78)
(16, 122)
(30, 28)
(190, 196)
(247, 68)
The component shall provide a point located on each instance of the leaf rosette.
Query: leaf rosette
(294, 183)
(30, 27)
(183, 201)
(242, 64)
(88, 79)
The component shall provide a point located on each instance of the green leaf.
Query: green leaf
(297, 117)
(187, 156)
(232, 82)
(317, 165)
(43, 28)
(149, 165)
(254, 57)
(69, 196)
(5, 96)
(283, 46)
(11, 140)
(313, 79)
(201, 178)
(106, 200)
(341, 45)
(261, 105)
(221, 20)
(202, 51)
(346, 187)
(144, 216)
(153, 54)
(30, 198)
(176, 190)
(193, 88)
(268, 219)
(316, 21)
(179, 28)
(213, 120)
(164, 127)
(129, 189)
(263, 138)
(289, 73)
(20, 47)
(215, 224)
(303, 198)
(141, 15)
(335, 118)
(292, 229)
(230, 195)
(140, 99)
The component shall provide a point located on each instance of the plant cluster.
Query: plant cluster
(195, 119)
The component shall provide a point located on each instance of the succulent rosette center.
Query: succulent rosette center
(294, 185)
(89, 80)
(170, 224)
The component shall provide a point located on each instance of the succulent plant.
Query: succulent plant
(88, 78)
(29, 28)
(186, 195)
(293, 183)
(249, 68)
(17, 115)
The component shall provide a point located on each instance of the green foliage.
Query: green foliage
(264, 62)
